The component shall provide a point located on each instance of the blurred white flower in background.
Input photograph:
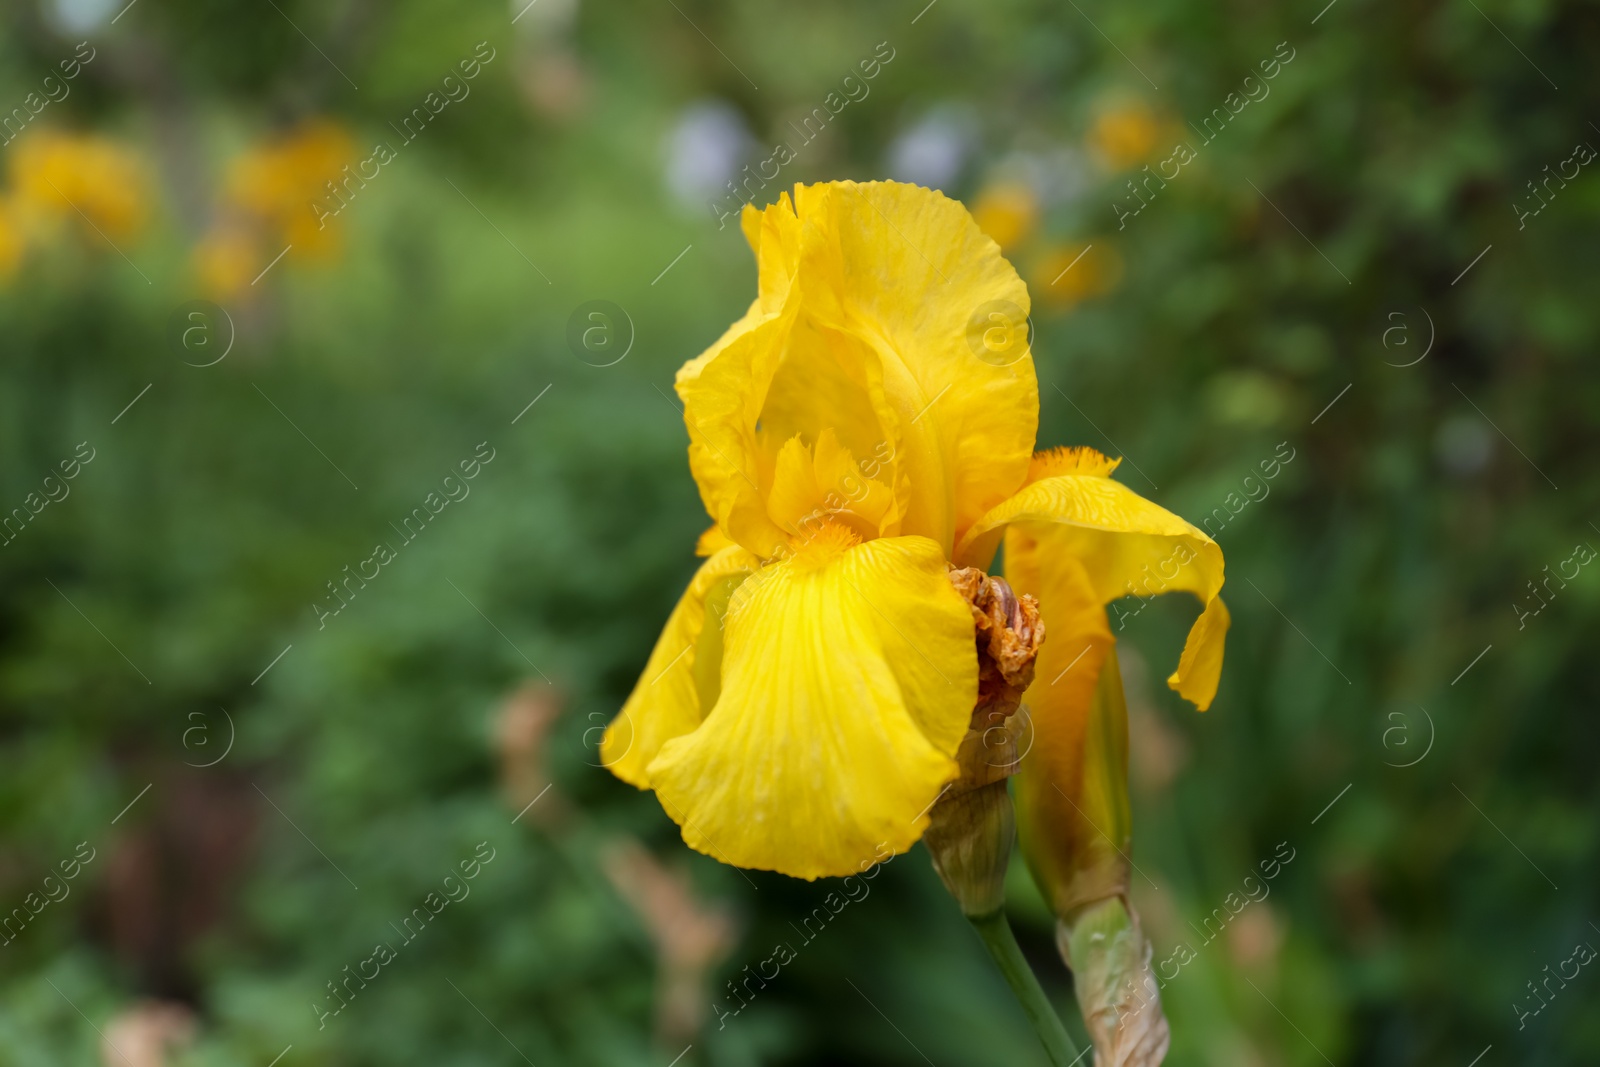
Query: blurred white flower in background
(934, 149)
(707, 146)
(79, 16)
(1058, 174)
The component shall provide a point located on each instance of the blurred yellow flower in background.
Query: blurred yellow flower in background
(1008, 212)
(1060, 273)
(1070, 271)
(62, 182)
(1124, 134)
(226, 260)
(267, 208)
(276, 183)
(11, 242)
(59, 176)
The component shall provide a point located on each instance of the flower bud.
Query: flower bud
(971, 827)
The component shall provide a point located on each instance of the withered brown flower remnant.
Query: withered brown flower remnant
(522, 728)
(1009, 633)
(691, 936)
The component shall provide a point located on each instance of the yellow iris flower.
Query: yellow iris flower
(803, 707)
(1125, 134)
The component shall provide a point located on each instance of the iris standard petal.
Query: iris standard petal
(777, 375)
(722, 393)
(848, 679)
(1127, 546)
(664, 703)
(906, 269)
(874, 304)
(830, 383)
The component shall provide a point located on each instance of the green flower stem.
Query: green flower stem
(1002, 945)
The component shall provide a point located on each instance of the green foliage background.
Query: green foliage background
(1417, 907)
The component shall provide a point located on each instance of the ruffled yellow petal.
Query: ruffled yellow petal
(875, 302)
(665, 703)
(906, 269)
(751, 220)
(774, 238)
(777, 374)
(848, 679)
(723, 391)
(1127, 546)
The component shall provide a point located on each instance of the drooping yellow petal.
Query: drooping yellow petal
(1128, 546)
(1074, 822)
(848, 680)
(1071, 795)
(1200, 666)
(664, 703)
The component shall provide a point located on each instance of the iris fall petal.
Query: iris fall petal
(665, 703)
(848, 679)
(1127, 545)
